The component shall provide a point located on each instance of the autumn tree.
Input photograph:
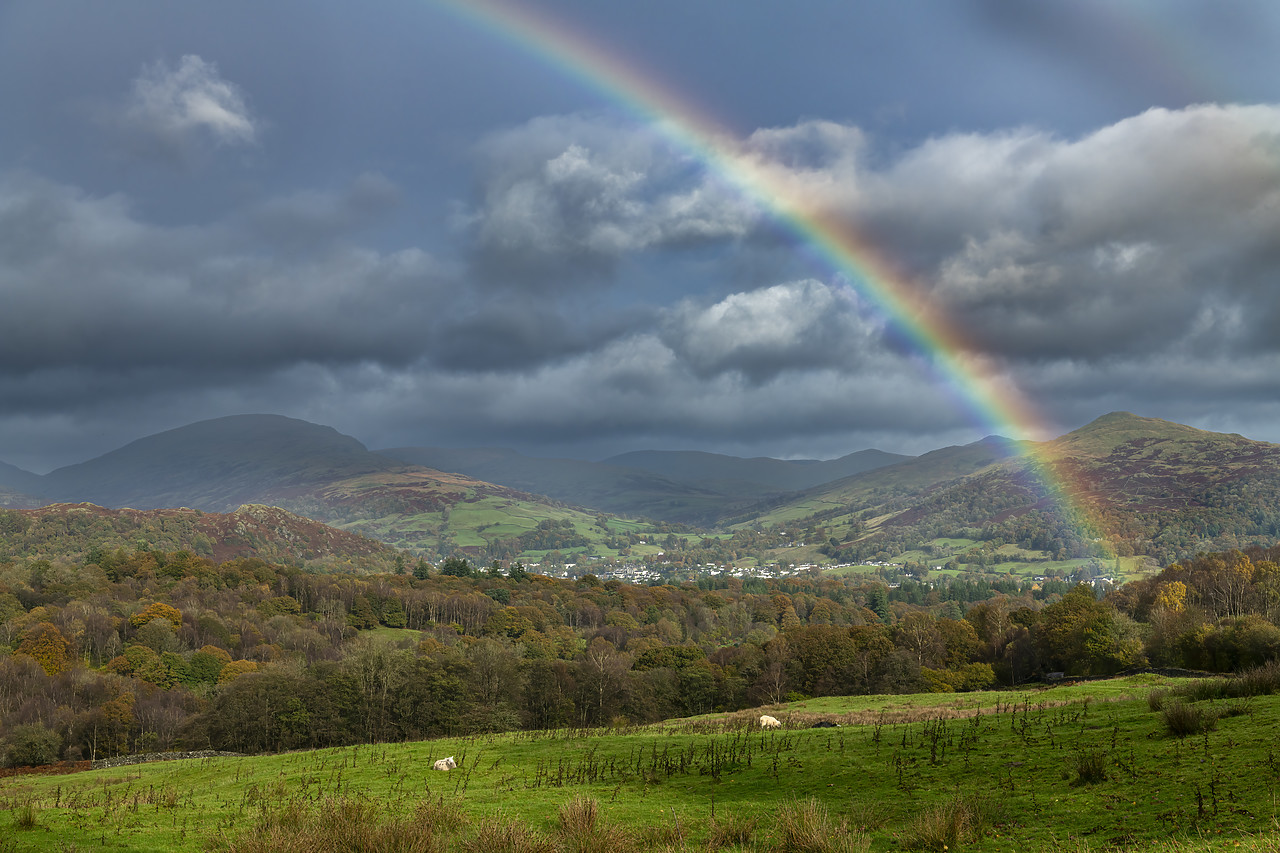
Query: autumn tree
(46, 645)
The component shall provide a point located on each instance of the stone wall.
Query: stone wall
(125, 760)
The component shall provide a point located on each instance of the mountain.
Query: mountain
(268, 533)
(18, 488)
(685, 487)
(216, 465)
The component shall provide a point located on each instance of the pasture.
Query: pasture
(1087, 766)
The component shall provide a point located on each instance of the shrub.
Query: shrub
(350, 825)
(1181, 719)
(579, 816)
(1260, 681)
(26, 816)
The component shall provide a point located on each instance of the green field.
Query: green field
(1077, 767)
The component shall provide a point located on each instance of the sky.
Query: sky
(412, 223)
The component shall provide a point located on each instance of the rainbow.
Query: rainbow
(991, 399)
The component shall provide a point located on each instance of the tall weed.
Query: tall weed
(582, 832)
(731, 830)
(952, 822)
(505, 836)
(805, 826)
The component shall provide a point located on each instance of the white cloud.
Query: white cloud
(173, 108)
(786, 327)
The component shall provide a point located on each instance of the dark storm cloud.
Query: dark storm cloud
(88, 284)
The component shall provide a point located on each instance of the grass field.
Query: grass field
(1077, 767)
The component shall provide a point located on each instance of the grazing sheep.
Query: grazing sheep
(445, 764)
(767, 722)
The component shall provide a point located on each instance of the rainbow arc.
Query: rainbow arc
(990, 398)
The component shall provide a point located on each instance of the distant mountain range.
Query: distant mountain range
(687, 487)
(1148, 486)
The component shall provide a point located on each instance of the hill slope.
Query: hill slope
(268, 533)
(1145, 486)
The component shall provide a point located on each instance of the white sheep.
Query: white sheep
(767, 722)
(444, 764)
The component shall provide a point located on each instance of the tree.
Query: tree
(457, 567)
(878, 602)
(601, 677)
(236, 668)
(28, 746)
(46, 645)
(206, 664)
(157, 610)
(1082, 635)
(362, 616)
(393, 615)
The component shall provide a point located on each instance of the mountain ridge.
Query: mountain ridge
(1152, 487)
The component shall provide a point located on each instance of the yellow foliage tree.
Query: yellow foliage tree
(235, 669)
(157, 610)
(1172, 596)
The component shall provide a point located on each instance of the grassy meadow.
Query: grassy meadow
(1089, 766)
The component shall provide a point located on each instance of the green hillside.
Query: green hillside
(1086, 767)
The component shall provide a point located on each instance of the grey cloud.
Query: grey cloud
(1121, 241)
(308, 219)
(636, 387)
(564, 197)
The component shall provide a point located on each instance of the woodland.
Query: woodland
(149, 650)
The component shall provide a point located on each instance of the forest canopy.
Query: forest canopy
(145, 650)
